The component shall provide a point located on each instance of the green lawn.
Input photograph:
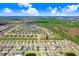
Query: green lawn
(17, 38)
(21, 38)
(38, 53)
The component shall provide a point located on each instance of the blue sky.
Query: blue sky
(39, 9)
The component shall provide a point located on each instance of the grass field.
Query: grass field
(54, 25)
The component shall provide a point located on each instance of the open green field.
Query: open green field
(52, 22)
(54, 25)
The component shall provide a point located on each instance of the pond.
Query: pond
(70, 54)
(31, 54)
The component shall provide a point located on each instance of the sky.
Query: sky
(39, 9)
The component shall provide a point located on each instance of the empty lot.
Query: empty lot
(71, 30)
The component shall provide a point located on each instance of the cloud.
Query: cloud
(61, 14)
(49, 8)
(24, 4)
(66, 11)
(31, 11)
(69, 10)
(72, 7)
(7, 10)
(54, 12)
(23, 11)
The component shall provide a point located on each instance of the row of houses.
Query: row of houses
(23, 35)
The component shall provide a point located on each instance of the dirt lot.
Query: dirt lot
(71, 30)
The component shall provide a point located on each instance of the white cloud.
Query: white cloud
(23, 11)
(7, 10)
(62, 14)
(49, 8)
(65, 11)
(54, 12)
(24, 4)
(31, 11)
(72, 7)
(69, 10)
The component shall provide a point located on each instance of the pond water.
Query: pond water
(31, 54)
(70, 54)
